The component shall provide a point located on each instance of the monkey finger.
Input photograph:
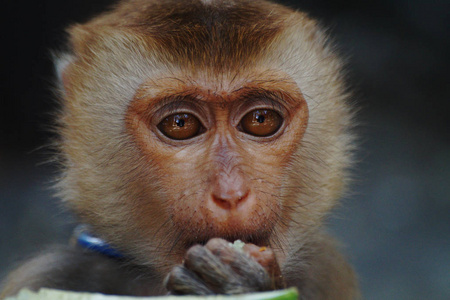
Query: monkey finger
(226, 253)
(181, 281)
(217, 276)
(222, 249)
(266, 258)
(242, 263)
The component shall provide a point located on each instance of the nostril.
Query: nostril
(229, 201)
(222, 203)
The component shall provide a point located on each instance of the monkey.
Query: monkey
(185, 125)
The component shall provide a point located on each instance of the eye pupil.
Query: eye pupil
(180, 122)
(260, 119)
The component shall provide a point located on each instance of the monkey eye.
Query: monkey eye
(180, 126)
(261, 122)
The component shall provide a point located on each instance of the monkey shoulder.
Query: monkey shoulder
(70, 268)
(320, 271)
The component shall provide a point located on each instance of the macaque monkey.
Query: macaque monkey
(186, 125)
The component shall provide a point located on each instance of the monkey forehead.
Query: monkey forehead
(217, 35)
(211, 42)
(271, 84)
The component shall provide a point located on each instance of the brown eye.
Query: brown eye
(180, 126)
(261, 122)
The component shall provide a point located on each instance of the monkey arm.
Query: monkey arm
(70, 268)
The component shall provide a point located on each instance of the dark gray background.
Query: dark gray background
(396, 224)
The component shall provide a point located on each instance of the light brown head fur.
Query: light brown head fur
(147, 196)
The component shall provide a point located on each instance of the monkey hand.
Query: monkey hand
(218, 268)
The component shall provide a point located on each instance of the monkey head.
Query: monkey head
(182, 121)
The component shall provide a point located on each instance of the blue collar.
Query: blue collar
(88, 241)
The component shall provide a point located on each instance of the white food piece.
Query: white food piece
(237, 244)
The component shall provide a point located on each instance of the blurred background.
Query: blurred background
(395, 225)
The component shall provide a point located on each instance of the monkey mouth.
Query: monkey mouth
(257, 231)
(260, 239)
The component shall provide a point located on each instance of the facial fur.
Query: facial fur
(135, 65)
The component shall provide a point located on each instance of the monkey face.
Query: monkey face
(222, 152)
(173, 133)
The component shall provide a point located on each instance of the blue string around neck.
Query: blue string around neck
(88, 241)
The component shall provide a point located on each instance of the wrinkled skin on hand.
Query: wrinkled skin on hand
(219, 268)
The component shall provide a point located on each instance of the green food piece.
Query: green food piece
(50, 294)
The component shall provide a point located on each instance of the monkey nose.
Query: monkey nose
(230, 199)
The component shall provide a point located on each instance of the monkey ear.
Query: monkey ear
(78, 37)
(62, 62)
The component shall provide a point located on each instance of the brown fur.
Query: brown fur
(147, 197)
(220, 36)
